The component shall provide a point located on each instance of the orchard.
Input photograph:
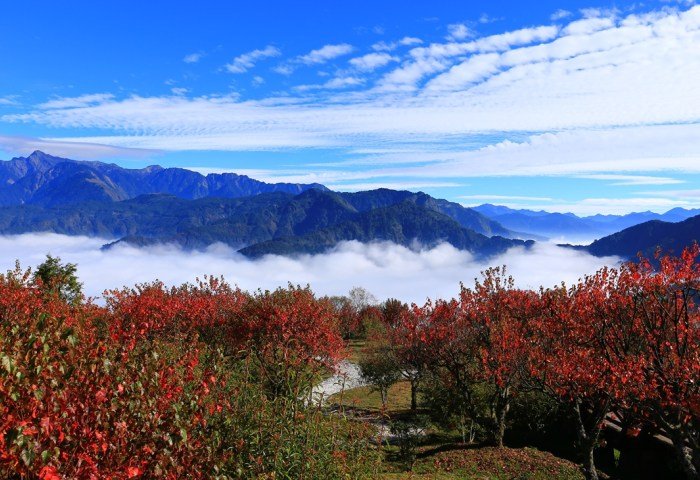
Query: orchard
(205, 380)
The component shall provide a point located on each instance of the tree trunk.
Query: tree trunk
(500, 411)
(589, 463)
(414, 394)
(384, 394)
(587, 442)
(500, 425)
(684, 454)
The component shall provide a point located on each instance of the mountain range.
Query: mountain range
(45, 180)
(574, 228)
(156, 205)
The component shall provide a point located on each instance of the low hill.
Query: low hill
(646, 237)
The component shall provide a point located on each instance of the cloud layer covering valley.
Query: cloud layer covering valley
(386, 270)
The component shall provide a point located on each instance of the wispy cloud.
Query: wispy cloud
(9, 100)
(625, 180)
(560, 15)
(459, 31)
(333, 84)
(246, 61)
(326, 53)
(396, 185)
(193, 57)
(391, 46)
(505, 198)
(22, 146)
(82, 101)
(372, 61)
(315, 57)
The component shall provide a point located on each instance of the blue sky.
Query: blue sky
(568, 106)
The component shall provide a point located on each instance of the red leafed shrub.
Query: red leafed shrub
(292, 335)
(210, 307)
(82, 398)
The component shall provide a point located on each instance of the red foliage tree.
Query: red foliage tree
(498, 316)
(451, 356)
(406, 330)
(667, 314)
(568, 362)
(293, 336)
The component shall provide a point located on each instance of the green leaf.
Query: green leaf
(27, 456)
(7, 363)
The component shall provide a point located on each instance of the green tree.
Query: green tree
(378, 364)
(58, 278)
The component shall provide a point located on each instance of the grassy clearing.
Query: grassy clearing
(354, 350)
(489, 463)
(364, 398)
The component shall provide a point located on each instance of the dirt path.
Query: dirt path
(347, 377)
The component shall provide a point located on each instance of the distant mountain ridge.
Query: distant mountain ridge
(646, 237)
(311, 222)
(45, 180)
(42, 179)
(156, 205)
(554, 225)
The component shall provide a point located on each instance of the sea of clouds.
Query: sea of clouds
(385, 269)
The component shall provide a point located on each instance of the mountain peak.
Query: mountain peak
(26, 180)
(38, 155)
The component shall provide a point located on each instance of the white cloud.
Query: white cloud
(560, 15)
(283, 69)
(587, 26)
(391, 46)
(325, 54)
(334, 84)
(599, 12)
(384, 269)
(315, 57)
(193, 57)
(246, 61)
(485, 18)
(691, 195)
(22, 146)
(9, 100)
(179, 90)
(412, 185)
(619, 151)
(437, 57)
(501, 198)
(372, 61)
(625, 180)
(473, 70)
(77, 102)
(459, 31)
